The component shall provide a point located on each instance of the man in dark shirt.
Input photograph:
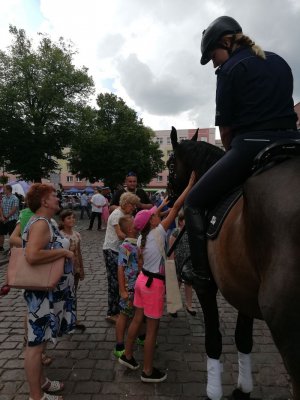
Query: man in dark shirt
(131, 186)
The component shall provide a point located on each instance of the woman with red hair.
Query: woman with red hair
(50, 314)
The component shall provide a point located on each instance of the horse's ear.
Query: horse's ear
(195, 137)
(174, 140)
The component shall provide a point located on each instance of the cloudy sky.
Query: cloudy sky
(148, 51)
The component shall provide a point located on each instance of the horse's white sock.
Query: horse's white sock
(214, 381)
(245, 382)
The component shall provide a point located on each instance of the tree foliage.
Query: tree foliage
(112, 142)
(41, 97)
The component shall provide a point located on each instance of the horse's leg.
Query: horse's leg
(279, 300)
(244, 343)
(213, 343)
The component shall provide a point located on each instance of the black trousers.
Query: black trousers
(93, 216)
(86, 209)
(233, 168)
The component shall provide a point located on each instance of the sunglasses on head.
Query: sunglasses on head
(131, 174)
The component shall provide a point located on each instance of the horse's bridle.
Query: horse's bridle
(172, 176)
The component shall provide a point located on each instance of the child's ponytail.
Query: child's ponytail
(144, 234)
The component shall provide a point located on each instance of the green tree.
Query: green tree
(112, 142)
(41, 93)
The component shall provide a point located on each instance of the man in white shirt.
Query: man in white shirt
(97, 202)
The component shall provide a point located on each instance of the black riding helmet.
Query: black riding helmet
(210, 36)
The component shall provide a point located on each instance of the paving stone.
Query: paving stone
(80, 374)
(15, 363)
(88, 387)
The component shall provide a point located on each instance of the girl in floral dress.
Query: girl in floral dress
(66, 226)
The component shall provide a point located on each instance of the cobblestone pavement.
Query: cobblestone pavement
(86, 364)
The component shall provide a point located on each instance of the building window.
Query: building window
(78, 179)
(69, 178)
(182, 138)
(160, 140)
(203, 139)
(168, 140)
(159, 178)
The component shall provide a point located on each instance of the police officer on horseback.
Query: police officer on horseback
(254, 108)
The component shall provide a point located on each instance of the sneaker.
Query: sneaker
(132, 364)
(118, 353)
(156, 376)
(141, 342)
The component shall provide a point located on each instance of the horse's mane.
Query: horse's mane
(198, 156)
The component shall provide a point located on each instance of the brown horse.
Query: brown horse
(255, 260)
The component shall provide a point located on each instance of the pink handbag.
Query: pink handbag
(22, 275)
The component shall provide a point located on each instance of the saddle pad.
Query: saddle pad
(217, 215)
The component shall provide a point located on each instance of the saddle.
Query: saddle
(276, 153)
(272, 155)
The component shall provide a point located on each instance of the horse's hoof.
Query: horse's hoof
(237, 394)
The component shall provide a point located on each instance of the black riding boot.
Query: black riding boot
(200, 276)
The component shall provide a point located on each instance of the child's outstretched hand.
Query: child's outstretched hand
(192, 179)
(165, 201)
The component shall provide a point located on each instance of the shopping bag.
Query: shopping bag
(174, 301)
(22, 275)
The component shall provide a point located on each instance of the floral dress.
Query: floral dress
(182, 254)
(128, 261)
(51, 313)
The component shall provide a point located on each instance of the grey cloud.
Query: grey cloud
(177, 90)
(275, 27)
(110, 45)
(157, 95)
(181, 84)
(166, 12)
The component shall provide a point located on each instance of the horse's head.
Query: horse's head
(188, 156)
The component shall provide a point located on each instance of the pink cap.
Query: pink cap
(142, 217)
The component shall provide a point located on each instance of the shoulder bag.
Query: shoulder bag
(22, 275)
(174, 301)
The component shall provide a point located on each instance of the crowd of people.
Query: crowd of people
(134, 253)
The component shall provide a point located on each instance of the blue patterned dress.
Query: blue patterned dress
(51, 313)
(128, 261)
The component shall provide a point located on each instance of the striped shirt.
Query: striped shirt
(8, 203)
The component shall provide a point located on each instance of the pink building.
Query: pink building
(68, 180)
